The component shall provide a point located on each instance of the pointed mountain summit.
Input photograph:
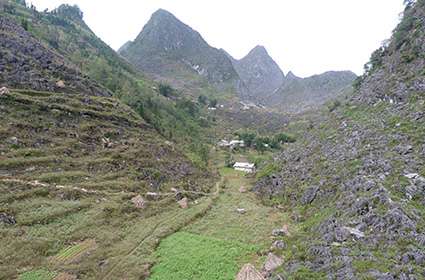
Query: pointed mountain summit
(170, 50)
(300, 94)
(291, 76)
(259, 72)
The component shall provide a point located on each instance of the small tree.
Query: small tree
(204, 153)
(24, 24)
(202, 99)
(247, 137)
(260, 145)
(166, 90)
(284, 138)
(21, 2)
(10, 9)
(229, 161)
(213, 103)
(68, 11)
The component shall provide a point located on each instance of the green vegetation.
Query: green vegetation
(101, 154)
(189, 256)
(223, 222)
(72, 252)
(40, 274)
(62, 29)
(166, 90)
(263, 143)
(268, 170)
(216, 246)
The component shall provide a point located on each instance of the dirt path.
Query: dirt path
(110, 273)
(224, 222)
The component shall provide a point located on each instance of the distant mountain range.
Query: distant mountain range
(170, 51)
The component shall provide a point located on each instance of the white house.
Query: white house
(235, 143)
(244, 167)
(231, 144)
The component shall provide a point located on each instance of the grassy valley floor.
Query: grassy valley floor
(218, 244)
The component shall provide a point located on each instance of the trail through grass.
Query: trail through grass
(218, 244)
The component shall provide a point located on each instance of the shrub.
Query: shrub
(166, 90)
(267, 171)
(284, 138)
(24, 24)
(248, 137)
(213, 103)
(333, 105)
(68, 11)
(202, 99)
(229, 161)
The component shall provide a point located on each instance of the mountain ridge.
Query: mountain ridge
(173, 52)
(167, 47)
(259, 73)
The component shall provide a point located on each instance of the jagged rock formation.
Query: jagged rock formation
(80, 57)
(397, 69)
(26, 63)
(299, 94)
(259, 73)
(170, 50)
(354, 181)
(267, 85)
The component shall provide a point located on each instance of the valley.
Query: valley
(122, 164)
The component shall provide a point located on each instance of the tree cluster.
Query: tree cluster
(263, 143)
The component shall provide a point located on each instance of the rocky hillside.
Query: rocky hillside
(26, 63)
(300, 94)
(259, 73)
(171, 51)
(396, 70)
(354, 182)
(79, 168)
(267, 85)
(75, 175)
(66, 49)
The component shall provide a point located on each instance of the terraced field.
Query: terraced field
(69, 166)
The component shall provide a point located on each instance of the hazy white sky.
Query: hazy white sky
(305, 36)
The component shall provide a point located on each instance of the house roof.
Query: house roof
(235, 142)
(244, 165)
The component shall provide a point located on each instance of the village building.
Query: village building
(244, 167)
(231, 144)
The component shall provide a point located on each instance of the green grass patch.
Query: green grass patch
(40, 274)
(72, 252)
(63, 177)
(303, 273)
(22, 162)
(267, 171)
(190, 256)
